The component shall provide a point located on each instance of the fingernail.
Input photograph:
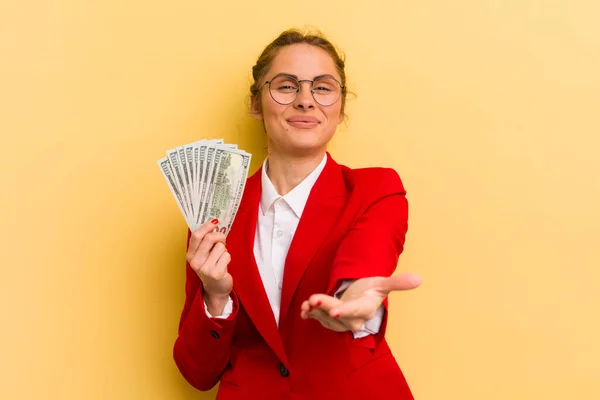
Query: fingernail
(318, 303)
(336, 315)
(215, 221)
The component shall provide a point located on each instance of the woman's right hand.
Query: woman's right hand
(208, 257)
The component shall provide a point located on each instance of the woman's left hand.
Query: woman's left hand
(357, 304)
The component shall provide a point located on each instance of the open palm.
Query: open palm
(357, 304)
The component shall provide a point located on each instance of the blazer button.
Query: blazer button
(284, 371)
(215, 334)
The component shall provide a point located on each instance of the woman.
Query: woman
(293, 304)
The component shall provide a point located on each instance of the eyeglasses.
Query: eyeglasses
(284, 89)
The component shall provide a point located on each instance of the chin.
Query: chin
(294, 140)
(307, 145)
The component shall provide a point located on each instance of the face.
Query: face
(304, 126)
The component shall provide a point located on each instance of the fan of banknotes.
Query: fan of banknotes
(207, 179)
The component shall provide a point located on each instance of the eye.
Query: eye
(325, 85)
(322, 88)
(285, 85)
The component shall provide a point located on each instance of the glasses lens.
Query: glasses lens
(326, 91)
(284, 89)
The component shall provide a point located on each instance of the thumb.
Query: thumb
(403, 281)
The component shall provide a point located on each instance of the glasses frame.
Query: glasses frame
(312, 88)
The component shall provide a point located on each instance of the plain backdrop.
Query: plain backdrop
(489, 111)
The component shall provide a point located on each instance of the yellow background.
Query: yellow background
(489, 110)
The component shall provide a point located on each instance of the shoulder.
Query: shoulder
(378, 181)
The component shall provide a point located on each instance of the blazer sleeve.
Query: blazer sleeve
(374, 242)
(203, 345)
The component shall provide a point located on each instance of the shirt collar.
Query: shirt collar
(296, 198)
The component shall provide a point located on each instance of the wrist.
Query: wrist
(216, 303)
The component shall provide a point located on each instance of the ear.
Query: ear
(341, 117)
(255, 108)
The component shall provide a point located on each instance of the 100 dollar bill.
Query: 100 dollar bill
(207, 179)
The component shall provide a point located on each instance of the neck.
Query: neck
(286, 172)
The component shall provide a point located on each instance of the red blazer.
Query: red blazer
(353, 226)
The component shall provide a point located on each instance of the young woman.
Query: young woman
(292, 305)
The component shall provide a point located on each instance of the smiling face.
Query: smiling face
(303, 126)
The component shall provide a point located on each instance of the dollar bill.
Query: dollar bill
(201, 173)
(189, 158)
(207, 179)
(212, 160)
(204, 180)
(196, 158)
(185, 175)
(173, 156)
(167, 171)
(227, 187)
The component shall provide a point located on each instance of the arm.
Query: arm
(202, 348)
(367, 256)
(372, 246)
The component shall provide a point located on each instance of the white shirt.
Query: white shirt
(278, 218)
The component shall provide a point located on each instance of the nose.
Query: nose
(305, 100)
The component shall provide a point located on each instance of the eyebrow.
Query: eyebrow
(296, 76)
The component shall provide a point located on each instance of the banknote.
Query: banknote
(207, 180)
(226, 187)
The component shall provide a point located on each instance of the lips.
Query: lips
(303, 122)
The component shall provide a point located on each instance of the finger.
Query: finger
(222, 263)
(405, 281)
(207, 244)
(304, 309)
(209, 266)
(198, 235)
(363, 308)
(324, 302)
(324, 319)
(319, 315)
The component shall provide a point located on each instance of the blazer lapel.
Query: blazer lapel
(324, 205)
(246, 278)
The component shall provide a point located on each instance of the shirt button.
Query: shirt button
(279, 233)
(284, 371)
(215, 334)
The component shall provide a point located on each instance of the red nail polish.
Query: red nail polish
(215, 221)
(337, 315)
(318, 303)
